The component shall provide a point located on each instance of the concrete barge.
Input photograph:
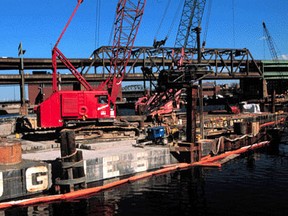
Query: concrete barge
(38, 169)
(41, 165)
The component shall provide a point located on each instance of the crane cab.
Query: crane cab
(63, 107)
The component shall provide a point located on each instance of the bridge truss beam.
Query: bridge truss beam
(225, 63)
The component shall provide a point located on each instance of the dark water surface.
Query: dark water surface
(255, 184)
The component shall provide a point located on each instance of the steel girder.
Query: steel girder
(225, 63)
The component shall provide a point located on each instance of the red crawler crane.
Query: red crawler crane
(92, 105)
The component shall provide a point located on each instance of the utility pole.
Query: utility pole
(23, 109)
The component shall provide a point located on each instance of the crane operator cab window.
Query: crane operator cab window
(103, 99)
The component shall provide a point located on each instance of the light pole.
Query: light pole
(23, 109)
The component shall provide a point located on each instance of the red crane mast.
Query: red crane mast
(127, 22)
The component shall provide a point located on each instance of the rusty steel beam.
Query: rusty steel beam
(229, 61)
(224, 60)
(6, 79)
(225, 63)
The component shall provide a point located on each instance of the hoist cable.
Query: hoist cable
(112, 31)
(162, 19)
(174, 18)
(207, 20)
(233, 20)
(97, 28)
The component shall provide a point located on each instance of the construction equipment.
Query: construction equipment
(153, 135)
(93, 106)
(271, 44)
(275, 54)
(167, 98)
(190, 19)
(185, 76)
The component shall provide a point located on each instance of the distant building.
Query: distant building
(210, 89)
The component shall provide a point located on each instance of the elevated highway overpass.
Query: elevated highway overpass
(228, 64)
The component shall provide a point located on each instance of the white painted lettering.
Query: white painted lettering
(142, 162)
(37, 179)
(110, 168)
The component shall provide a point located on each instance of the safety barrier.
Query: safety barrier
(216, 159)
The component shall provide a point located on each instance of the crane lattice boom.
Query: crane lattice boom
(190, 19)
(128, 17)
(270, 42)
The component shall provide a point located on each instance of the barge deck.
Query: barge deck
(41, 164)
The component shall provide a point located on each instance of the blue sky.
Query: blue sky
(37, 24)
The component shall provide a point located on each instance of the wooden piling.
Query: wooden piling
(73, 175)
